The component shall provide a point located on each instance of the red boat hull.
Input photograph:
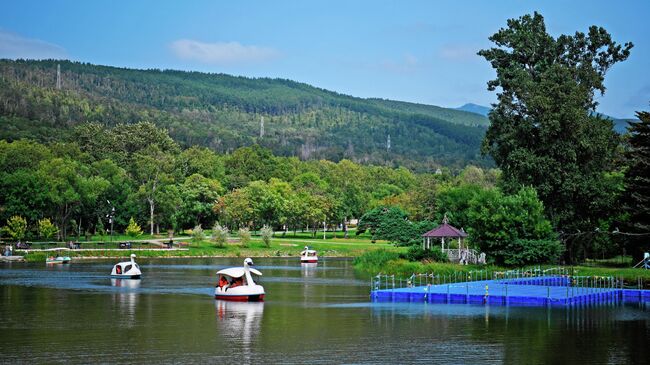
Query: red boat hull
(241, 298)
(309, 261)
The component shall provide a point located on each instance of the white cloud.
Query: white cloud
(458, 53)
(221, 52)
(407, 63)
(14, 46)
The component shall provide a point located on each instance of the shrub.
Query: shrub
(267, 233)
(375, 260)
(35, 256)
(219, 235)
(392, 224)
(417, 253)
(198, 234)
(133, 229)
(46, 229)
(244, 237)
(16, 227)
(526, 252)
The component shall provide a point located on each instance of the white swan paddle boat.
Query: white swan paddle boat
(126, 269)
(308, 256)
(236, 284)
(57, 260)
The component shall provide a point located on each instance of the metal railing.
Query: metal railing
(551, 277)
(470, 256)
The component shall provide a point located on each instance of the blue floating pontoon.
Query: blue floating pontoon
(535, 291)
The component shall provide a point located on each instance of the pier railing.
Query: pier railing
(556, 276)
(464, 255)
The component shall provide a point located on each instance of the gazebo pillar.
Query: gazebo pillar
(443, 244)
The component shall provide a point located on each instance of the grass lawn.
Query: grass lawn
(280, 246)
(388, 262)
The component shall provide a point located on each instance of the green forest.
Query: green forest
(225, 112)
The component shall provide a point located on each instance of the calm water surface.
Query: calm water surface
(312, 314)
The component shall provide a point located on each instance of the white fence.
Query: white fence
(464, 256)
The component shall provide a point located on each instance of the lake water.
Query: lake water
(322, 314)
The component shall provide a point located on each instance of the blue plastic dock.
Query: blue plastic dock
(538, 291)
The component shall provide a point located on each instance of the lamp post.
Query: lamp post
(111, 218)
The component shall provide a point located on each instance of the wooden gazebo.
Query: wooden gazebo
(445, 230)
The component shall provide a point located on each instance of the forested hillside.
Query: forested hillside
(224, 112)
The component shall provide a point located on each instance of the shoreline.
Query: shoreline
(82, 258)
(40, 256)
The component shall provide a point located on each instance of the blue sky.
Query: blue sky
(420, 51)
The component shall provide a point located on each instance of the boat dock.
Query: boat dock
(551, 290)
(11, 258)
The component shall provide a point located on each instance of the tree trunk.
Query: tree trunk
(151, 211)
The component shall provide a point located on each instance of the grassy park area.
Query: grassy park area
(281, 244)
(389, 262)
(371, 258)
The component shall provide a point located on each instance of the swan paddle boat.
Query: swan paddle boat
(236, 284)
(57, 260)
(308, 256)
(126, 269)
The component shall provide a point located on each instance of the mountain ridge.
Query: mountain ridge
(224, 112)
(475, 108)
(620, 124)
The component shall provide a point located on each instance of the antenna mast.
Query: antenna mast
(262, 127)
(58, 76)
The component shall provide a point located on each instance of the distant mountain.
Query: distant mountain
(474, 108)
(225, 112)
(620, 124)
(457, 115)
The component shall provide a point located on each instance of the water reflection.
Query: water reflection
(240, 323)
(126, 299)
(126, 283)
(308, 269)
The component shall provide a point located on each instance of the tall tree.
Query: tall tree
(69, 186)
(153, 168)
(544, 131)
(198, 195)
(637, 183)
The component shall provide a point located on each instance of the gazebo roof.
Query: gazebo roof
(445, 230)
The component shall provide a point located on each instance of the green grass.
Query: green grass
(618, 261)
(123, 237)
(389, 263)
(36, 256)
(117, 237)
(338, 247)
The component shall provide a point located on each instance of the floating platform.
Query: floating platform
(12, 258)
(538, 291)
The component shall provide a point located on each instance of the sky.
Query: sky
(418, 51)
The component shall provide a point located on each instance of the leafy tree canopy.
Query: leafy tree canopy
(637, 184)
(543, 131)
